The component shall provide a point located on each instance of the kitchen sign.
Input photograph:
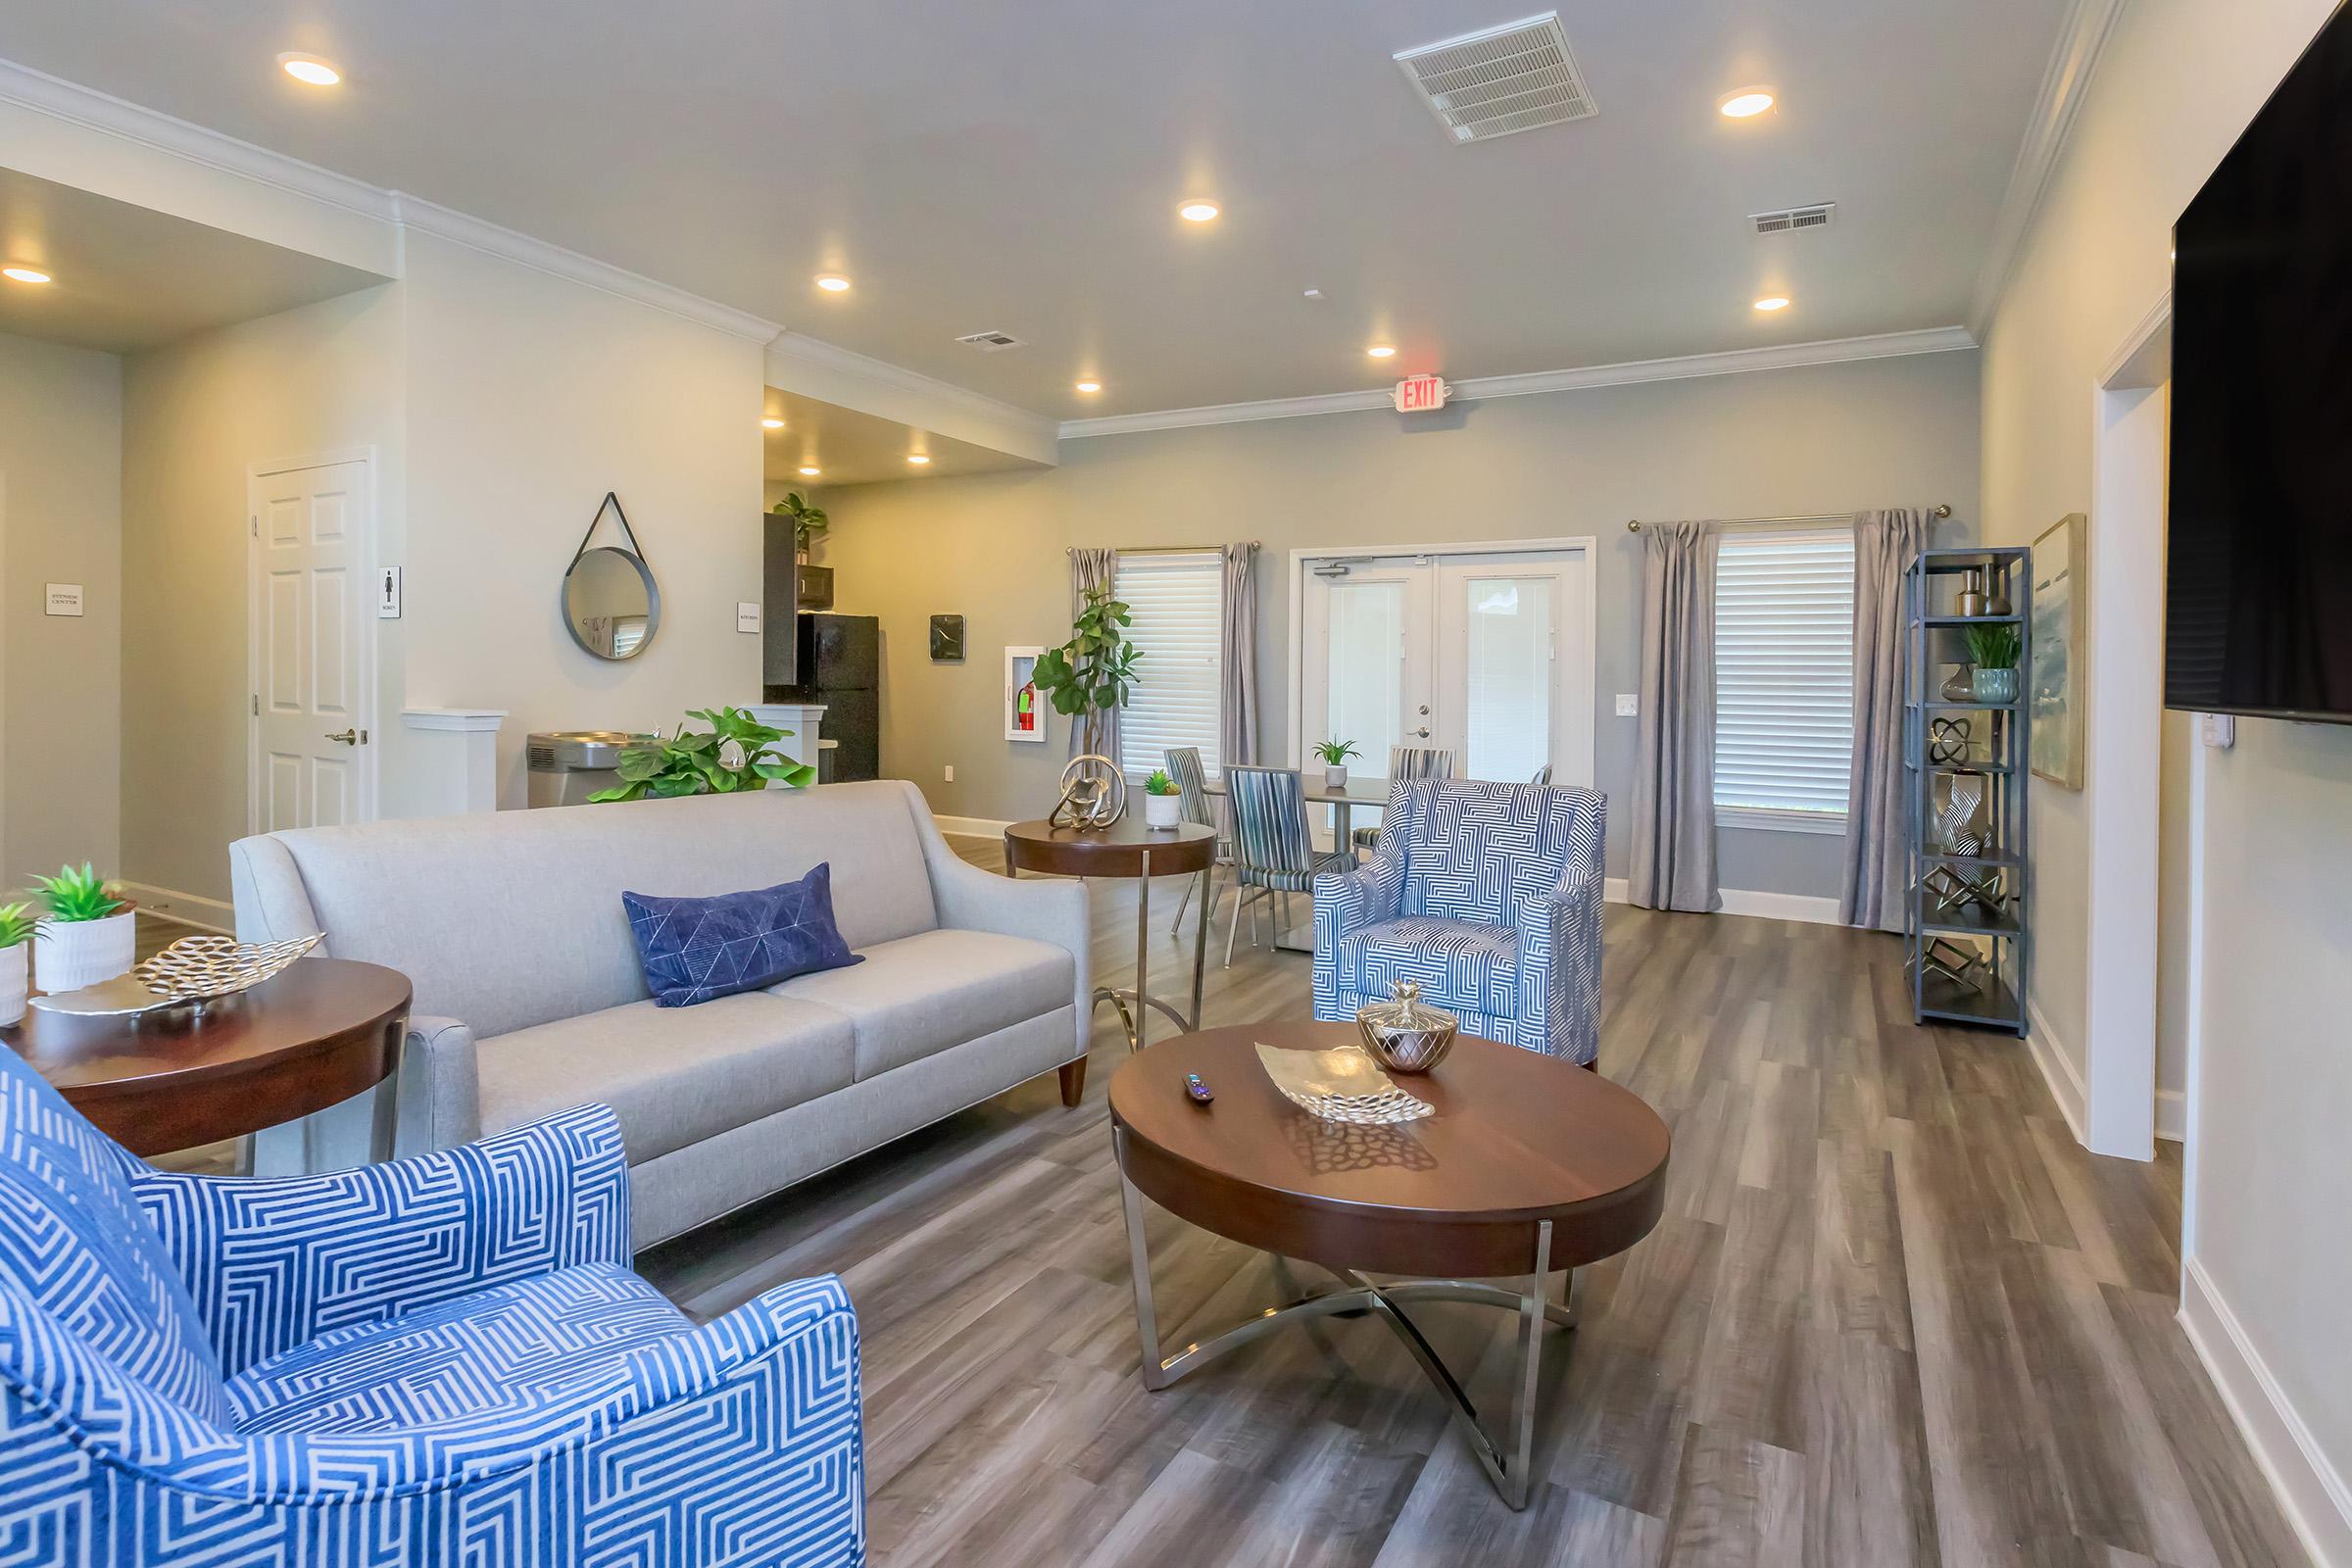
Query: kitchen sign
(1419, 394)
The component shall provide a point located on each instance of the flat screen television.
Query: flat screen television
(2259, 570)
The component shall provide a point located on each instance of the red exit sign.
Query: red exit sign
(1418, 394)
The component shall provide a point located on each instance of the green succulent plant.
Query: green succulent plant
(1335, 753)
(1159, 783)
(736, 753)
(74, 896)
(16, 926)
(1994, 647)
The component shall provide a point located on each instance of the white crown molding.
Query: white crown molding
(2064, 84)
(115, 116)
(908, 396)
(1732, 362)
(490, 239)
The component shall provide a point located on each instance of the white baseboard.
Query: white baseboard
(1753, 904)
(2057, 1070)
(971, 828)
(186, 908)
(2310, 1491)
(2172, 1115)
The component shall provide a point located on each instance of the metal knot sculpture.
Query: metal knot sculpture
(1094, 794)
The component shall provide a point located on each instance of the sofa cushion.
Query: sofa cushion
(514, 1343)
(695, 949)
(1457, 963)
(672, 1075)
(922, 993)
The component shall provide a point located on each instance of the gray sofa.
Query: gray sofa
(529, 997)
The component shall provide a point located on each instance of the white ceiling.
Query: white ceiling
(128, 277)
(1017, 167)
(855, 448)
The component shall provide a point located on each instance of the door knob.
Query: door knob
(349, 737)
(1423, 732)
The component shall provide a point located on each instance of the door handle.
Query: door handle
(349, 737)
(1423, 732)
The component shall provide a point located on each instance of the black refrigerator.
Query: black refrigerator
(840, 665)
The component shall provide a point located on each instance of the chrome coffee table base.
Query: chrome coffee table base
(1508, 1461)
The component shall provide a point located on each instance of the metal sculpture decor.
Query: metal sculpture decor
(1947, 741)
(1094, 794)
(1956, 825)
(194, 971)
(1953, 961)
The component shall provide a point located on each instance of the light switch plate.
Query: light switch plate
(2219, 730)
(747, 618)
(1629, 704)
(948, 774)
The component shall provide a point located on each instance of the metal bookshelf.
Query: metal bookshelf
(1967, 920)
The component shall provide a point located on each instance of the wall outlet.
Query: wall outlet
(948, 774)
(1629, 704)
(746, 617)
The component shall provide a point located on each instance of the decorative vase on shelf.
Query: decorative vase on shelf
(1961, 684)
(1162, 812)
(72, 954)
(13, 979)
(1995, 685)
(1336, 778)
(1971, 592)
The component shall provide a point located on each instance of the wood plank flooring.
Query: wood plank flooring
(1894, 1315)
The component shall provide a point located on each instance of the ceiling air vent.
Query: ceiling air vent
(1501, 81)
(990, 342)
(1794, 220)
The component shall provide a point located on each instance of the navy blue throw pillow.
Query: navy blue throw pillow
(697, 949)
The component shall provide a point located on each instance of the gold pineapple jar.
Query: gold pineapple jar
(1405, 1034)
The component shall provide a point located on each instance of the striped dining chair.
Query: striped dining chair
(1407, 764)
(1542, 775)
(1191, 793)
(1274, 856)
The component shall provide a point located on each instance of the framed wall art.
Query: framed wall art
(2061, 590)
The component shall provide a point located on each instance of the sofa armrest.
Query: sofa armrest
(275, 1263)
(1046, 908)
(439, 1056)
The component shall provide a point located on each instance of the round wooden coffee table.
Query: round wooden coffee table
(314, 1036)
(1125, 849)
(1529, 1164)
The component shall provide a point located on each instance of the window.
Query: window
(1784, 678)
(1178, 605)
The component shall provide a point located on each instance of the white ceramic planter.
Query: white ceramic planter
(1163, 811)
(1334, 778)
(69, 954)
(12, 983)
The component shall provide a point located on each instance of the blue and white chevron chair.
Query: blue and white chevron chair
(444, 1360)
(1488, 896)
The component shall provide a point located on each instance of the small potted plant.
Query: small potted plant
(17, 928)
(1163, 804)
(1334, 754)
(1993, 650)
(736, 753)
(86, 935)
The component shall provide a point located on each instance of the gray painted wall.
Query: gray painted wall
(1825, 438)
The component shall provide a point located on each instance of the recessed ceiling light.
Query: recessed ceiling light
(1197, 211)
(1090, 386)
(810, 471)
(771, 423)
(309, 69)
(25, 274)
(918, 457)
(1772, 302)
(1382, 351)
(1745, 104)
(832, 282)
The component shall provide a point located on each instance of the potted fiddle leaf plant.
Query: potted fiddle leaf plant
(807, 523)
(17, 929)
(1334, 754)
(1094, 671)
(1163, 802)
(736, 753)
(1994, 651)
(87, 930)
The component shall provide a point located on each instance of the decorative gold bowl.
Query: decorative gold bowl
(1405, 1035)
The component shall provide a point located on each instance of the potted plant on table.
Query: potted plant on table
(1094, 671)
(1334, 754)
(1994, 651)
(17, 928)
(87, 934)
(1164, 804)
(736, 753)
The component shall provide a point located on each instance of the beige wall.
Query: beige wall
(197, 414)
(61, 521)
(2268, 1183)
(529, 397)
(1886, 432)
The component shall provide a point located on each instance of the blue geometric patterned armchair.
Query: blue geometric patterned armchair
(443, 1360)
(1488, 896)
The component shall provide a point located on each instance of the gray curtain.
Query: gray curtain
(1673, 865)
(1237, 719)
(1098, 731)
(1878, 827)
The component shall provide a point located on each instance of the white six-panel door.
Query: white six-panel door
(312, 617)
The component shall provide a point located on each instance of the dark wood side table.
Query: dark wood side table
(1529, 1164)
(314, 1036)
(1125, 849)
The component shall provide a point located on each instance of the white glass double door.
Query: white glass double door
(1485, 656)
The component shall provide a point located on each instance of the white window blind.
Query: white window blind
(1178, 602)
(1783, 677)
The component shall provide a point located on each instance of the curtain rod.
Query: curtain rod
(1634, 527)
(1170, 550)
